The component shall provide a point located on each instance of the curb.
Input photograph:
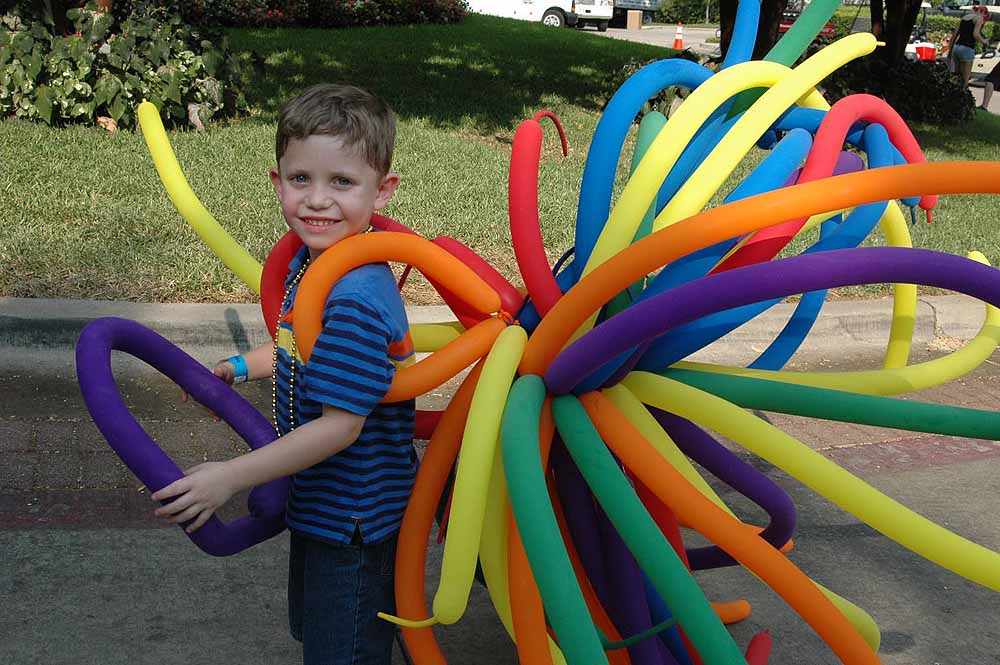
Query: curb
(50, 325)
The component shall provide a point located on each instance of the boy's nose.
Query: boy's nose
(319, 200)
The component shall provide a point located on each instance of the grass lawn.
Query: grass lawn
(85, 216)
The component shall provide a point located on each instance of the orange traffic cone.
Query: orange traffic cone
(679, 37)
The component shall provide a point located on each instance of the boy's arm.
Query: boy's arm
(208, 486)
(259, 364)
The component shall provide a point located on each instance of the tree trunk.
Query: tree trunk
(767, 27)
(727, 21)
(878, 20)
(901, 16)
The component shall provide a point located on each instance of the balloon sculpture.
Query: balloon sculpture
(572, 435)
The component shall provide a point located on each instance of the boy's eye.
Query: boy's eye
(343, 182)
(300, 178)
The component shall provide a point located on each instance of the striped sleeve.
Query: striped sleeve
(350, 368)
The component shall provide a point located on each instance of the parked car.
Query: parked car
(555, 13)
(647, 7)
(789, 16)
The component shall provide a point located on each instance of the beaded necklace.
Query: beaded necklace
(291, 367)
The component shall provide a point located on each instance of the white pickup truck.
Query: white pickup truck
(556, 13)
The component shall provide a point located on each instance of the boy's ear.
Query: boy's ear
(275, 181)
(386, 188)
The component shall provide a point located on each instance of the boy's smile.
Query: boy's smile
(328, 191)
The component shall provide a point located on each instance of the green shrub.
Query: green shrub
(686, 11)
(187, 72)
(305, 13)
(918, 91)
(226, 13)
(345, 13)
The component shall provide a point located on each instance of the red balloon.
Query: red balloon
(765, 244)
(529, 248)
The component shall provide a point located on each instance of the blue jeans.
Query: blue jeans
(963, 53)
(334, 594)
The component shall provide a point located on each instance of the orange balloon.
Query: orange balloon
(411, 549)
(739, 218)
(432, 261)
(755, 554)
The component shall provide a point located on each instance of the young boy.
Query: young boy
(351, 457)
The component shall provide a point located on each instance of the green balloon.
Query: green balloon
(644, 539)
(536, 522)
(779, 397)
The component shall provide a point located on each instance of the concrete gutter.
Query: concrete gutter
(38, 331)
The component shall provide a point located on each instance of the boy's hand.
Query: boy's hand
(225, 371)
(199, 494)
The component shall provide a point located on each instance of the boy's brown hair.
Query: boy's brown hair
(360, 119)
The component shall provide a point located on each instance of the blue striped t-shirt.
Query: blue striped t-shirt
(365, 337)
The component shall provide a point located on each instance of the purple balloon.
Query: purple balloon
(627, 604)
(776, 279)
(725, 465)
(144, 457)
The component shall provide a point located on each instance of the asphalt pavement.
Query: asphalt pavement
(88, 576)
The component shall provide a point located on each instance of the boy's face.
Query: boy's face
(327, 191)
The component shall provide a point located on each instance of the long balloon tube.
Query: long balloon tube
(493, 550)
(232, 254)
(798, 274)
(458, 564)
(843, 406)
(720, 163)
(738, 218)
(792, 44)
(649, 128)
(411, 550)
(744, 33)
(529, 248)
(642, 187)
(564, 603)
(510, 298)
(609, 137)
(732, 535)
(916, 533)
(766, 243)
(641, 419)
(889, 381)
(738, 474)
(685, 340)
(904, 296)
(581, 521)
(628, 598)
(659, 612)
(771, 174)
(672, 580)
(533, 642)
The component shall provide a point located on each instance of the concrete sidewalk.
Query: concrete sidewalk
(88, 576)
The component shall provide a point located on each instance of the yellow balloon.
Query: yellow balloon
(428, 337)
(904, 301)
(714, 169)
(909, 529)
(642, 188)
(475, 463)
(186, 201)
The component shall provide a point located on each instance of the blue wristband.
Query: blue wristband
(240, 365)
